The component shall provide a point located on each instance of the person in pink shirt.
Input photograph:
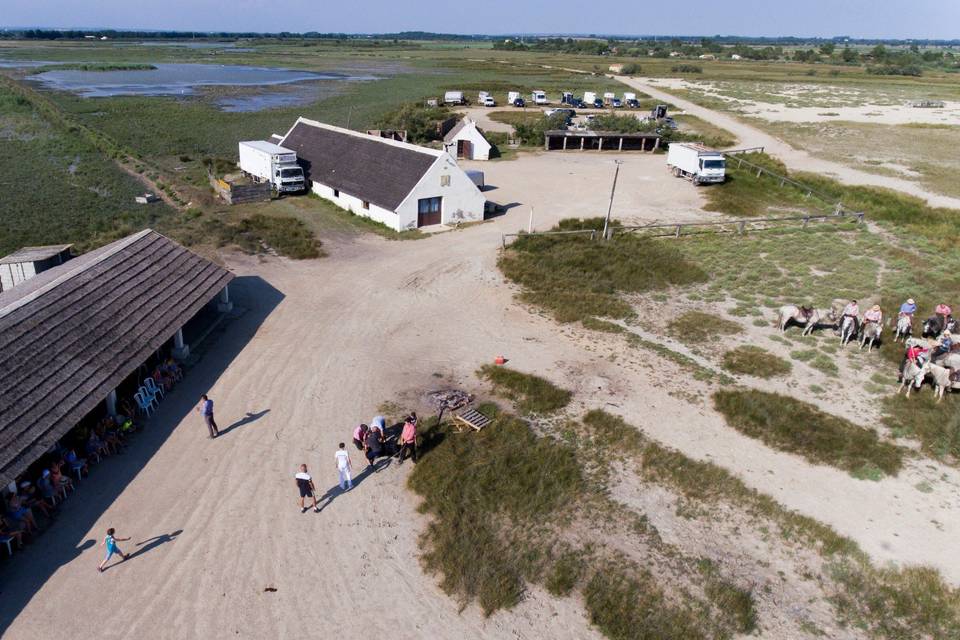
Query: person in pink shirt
(360, 436)
(874, 314)
(408, 438)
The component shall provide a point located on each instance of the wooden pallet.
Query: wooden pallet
(471, 418)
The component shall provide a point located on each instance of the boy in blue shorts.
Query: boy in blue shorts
(111, 543)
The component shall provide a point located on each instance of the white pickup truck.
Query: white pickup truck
(696, 162)
(268, 162)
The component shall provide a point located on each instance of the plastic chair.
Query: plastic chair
(153, 388)
(145, 405)
(77, 468)
(7, 540)
(149, 396)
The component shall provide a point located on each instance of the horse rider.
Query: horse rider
(908, 308)
(852, 311)
(917, 354)
(944, 344)
(874, 314)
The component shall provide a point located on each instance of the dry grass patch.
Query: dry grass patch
(754, 361)
(789, 424)
(936, 426)
(530, 393)
(697, 326)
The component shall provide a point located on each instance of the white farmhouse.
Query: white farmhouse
(401, 185)
(466, 141)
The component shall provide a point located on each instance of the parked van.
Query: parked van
(539, 97)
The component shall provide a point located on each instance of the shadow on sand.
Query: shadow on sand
(22, 576)
(250, 417)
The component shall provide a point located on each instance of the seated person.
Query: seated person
(9, 530)
(944, 344)
(95, 446)
(57, 479)
(32, 499)
(108, 434)
(874, 315)
(173, 368)
(17, 512)
(161, 377)
(47, 491)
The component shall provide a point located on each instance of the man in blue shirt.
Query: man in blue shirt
(206, 410)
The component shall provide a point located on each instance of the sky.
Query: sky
(935, 19)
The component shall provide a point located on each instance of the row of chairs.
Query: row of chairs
(150, 393)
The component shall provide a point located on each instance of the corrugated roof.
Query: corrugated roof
(375, 169)
(71, 334)
(34, 254)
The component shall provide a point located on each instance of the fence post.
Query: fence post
(805, 222)
(742, 227)
(593, 234)
(679, 226)
(759, 172)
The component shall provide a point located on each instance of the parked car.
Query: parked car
(519, 102)
(489, 102)
(577, 103)
(615, 103)
(633, 103)
(598, 104)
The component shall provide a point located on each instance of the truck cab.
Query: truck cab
(539, 97)
(712, 169)
(288, 178)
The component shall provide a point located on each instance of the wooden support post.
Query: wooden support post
(656, 144)
(600, 145)
(564, 143)
(643, 144)
(582, 141)
(805, 222)
(620, 148)
(759, 172)
(180, 349)
(678, 230)
(112, 403)
(741, 227)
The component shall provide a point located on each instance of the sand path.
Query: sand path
(795, 159)
(320, 345)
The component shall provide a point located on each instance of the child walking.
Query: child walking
(111, 543)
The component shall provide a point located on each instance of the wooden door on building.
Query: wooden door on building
(464, 149)
(429, 211)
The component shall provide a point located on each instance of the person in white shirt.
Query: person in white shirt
(344, 467)
(307, 490)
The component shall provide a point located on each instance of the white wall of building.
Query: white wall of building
(13, 273)
(355, 205)
(462, 200)
(480, 147)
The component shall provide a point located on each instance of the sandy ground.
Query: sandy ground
(780, 109)
(320, 345)
(750, 136)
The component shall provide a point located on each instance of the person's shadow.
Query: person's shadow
(154, 542)
(247, 419)
(327, 498)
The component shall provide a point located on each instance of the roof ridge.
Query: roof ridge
(409, 146)
(79, 268)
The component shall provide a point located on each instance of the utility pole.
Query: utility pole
(606, 222)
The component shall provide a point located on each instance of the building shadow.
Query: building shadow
(23, 575)
(250, 417)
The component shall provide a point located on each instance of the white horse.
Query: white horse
(913, 376)
(904, 328)
(815, 318)
(871, 333)
(941, 380)
(848, 330)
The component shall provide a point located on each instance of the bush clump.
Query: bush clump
(792, 425)
(697, 326)
(754, 361)
(530, 393)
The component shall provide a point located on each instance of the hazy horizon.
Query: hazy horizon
(892, 19)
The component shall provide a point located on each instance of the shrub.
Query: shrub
(754, 361)
(697, 326)
(422, 123)
(630, 69)
(575, 277)
(532, 394)
(686, 68)
(789, 424)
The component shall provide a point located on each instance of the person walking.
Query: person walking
(307, 490)
(408, 439)
(110, 542)
(206, 410)
(344, 467)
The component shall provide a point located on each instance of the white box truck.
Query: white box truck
(696, 162)
(512, 96)
(268, 162)
(589, 97)
(539, 97)
(453, 97)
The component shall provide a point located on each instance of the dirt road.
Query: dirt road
(795, 159)
(222, 549)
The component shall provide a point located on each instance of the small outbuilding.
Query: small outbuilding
(27, 262)
(465, 141)
(399, 184)
(565, 140)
